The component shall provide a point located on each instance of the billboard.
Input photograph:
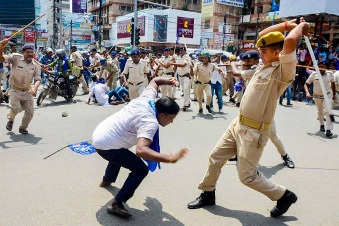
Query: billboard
(236, 3)
(79, 6)
(186, 25)
(207, 8)
(160, 28)
(123, 27)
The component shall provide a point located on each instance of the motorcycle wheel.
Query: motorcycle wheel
(41, 97)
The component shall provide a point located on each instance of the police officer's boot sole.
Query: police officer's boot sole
(283, 204)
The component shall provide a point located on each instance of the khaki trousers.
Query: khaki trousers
(21, 101)
(276, 140)
(2, 81)
(185, 84)
(135, 91)
(83, 83)
(207, 89)
(237, 96)
(112, 82)
(248, 144)
(321, 107)
(224, 85)
(194, 86)
(166, 90)
(230, 85)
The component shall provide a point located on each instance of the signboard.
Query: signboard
(79, 6)
(207, 33)
(246, 45)
(29, 36)
(207, 8)
(229, 38)
(122, 27)
(186, 25)
(236, 3)
(160, 28)
(272, 15)
(218, 38)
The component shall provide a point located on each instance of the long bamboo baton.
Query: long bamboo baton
(322, 86)
(310, 67)
(26, 26)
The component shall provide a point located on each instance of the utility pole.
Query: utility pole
(224, 32)
(256, 26)
(135, 21)
(55, 27)
(70, 38)
(60, 29)
(100, 22)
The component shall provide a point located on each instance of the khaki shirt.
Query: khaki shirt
(166, 60)
(204, 73)
(22, 73)
(111, 68)
(268, 83)
(186, 69)
(76, 59)
(147, 62)
(136, 72)
(327, 79)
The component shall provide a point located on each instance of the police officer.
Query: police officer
(183, 64)
(77, 61)
(145, 58)
(167, 72)
(134, 74)
(112, 73)
(24, 71)
(174, 58)
(204, 72)
(318, 96)
(249, 132)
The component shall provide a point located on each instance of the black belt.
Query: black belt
(186, 75)
(170, 73)
(135, 84)
(198, 82)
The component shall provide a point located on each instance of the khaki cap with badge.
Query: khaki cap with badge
(270, 39)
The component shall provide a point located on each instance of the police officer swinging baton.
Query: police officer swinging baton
(322, 86)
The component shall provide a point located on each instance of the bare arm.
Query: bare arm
(235, 70)
(159, 81)
(306, 87)
(143, 151)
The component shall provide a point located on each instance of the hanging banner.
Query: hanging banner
(207, 8)
(236, 3)
(29, 36)
(122, 27)
(160, 28)
(186, 25)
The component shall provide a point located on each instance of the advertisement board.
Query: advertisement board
(236, 3)
(122, 30)
(186, 25)
(160, 28)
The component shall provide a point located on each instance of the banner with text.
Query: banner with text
(122, 31)
(186, 25)
(236, 3)
(160, 28)
(79, 6)
(207, 8)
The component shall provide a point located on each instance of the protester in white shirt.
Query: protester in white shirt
(216, 86)
(135, 124)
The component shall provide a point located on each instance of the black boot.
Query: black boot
(322, 128)
(235, 158)
(209, 109)
(288, 161)
(329, 134)
(206, 198)
(284, 203)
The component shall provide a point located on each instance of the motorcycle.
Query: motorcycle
(56, 86)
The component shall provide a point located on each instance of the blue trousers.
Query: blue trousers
(217, 87)
(119, 93)
(288, 95)
(118, 158)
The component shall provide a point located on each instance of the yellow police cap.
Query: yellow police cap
(232, 57)
(270, 38)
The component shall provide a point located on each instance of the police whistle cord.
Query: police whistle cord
(55, 152)
(26, 26)
(322, 86)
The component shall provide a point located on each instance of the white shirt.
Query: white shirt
(100, 92)
(216, 76)
(327, 79)
(122, 129)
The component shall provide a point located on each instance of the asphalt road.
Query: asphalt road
(64, 189)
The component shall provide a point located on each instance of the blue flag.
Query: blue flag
(83, 148)
(155, 145)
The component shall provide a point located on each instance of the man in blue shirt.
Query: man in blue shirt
(45, 60)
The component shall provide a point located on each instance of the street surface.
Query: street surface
(64, 188)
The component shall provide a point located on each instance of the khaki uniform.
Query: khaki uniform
(112, 71)
(229, 82)
(174, 57)
(194, 85)
(77, 60)
(147, 62)
(167, 90)
(22, 76)
(318, 97)
(136, 77)
(184, 76)
(248, 133)
(203, 83)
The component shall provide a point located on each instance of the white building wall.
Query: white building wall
(171, 26)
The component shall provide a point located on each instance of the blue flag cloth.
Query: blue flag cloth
(238, 86)
(83, 148)
(155, 145)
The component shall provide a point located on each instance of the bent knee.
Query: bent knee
(247, 178)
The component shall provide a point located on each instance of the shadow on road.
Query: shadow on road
(321, 136)
(249, 218)
(153, 215)
(269, 171)
(14, 138)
